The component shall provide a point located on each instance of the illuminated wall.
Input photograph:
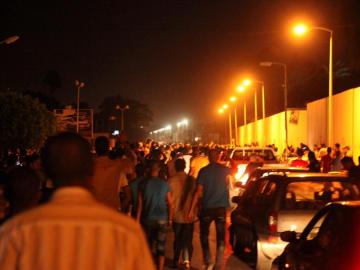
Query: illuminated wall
(346, 120)
(272, 130)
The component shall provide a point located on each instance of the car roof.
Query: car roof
(301, 176)
(344, 204)
(280, 167)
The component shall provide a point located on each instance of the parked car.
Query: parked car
(330, 241)
(281, 201)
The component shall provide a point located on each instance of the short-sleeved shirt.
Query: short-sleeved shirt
(213, 179)
(154, 203)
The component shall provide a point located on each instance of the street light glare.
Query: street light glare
(232, 99)
(225, 106)
(300, 29)
(266, 64)
(240, 88)
(220, 111)
(246, 82)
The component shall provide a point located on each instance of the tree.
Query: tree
(24, 121)
(49, 101)
(137, 118)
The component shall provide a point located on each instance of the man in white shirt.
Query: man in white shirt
(72, 231)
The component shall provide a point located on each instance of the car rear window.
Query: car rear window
(245, 154)
(312, 195)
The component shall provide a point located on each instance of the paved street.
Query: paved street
(231, 262)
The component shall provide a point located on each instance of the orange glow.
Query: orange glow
(246, 82)
(225, 106)
(240, 88)
(220, 111)
(232, 99)
(300, 29)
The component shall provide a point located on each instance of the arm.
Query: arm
(139, 206)
(194, 201)
(169, 201)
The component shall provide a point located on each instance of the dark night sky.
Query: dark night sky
(180, 57)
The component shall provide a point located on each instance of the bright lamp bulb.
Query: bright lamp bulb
(300, 29)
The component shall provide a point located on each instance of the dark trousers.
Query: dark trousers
(156, 235)
(207, 216)
(183, 240)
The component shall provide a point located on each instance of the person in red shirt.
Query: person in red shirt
(299, 162)
(326, 161)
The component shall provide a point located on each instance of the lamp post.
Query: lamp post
(9, 40)
(282, 65)
(300, 30)
(122, 109)
(78, 85)
(233, 100)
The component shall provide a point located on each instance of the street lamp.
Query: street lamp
(233, 100)
(122, 109)
(78, 85)
(282, 65)
(241, 89)
(221, 111)
(9, 40)
(302, 29)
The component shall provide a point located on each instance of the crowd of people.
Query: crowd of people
(90, 206)
(73, 202)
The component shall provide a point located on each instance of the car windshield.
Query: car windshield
(312, 195)
(244, 154)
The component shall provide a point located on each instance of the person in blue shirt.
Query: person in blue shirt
(155, 208)
(213, 186)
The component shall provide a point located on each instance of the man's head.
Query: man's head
(67, 160)
(102, 146)
(328, 150)
(299, 152)
(180, 165)
(348, 163)
(214, 156)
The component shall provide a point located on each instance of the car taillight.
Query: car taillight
(273, 221)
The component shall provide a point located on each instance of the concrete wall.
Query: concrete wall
(272, 130)
(346, 120)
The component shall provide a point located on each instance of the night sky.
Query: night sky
(182, 58)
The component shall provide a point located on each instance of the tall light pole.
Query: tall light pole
(122, 109)
(233, 100)
(78, 85)
(9, 40)
(282, 65)
(302, 29)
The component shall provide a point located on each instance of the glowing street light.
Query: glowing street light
(246, 82)
(240, 88)
(220, 111)
(9, 40)
(225, 106)
(232, 99)
(300, 30)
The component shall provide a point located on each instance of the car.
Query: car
(330, 241)
(281, 201)
(241, 179)
(241, 155)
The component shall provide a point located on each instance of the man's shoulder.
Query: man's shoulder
(50, 213)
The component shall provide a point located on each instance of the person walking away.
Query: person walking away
(299, 162)
(108, 177)
(182, 188)
(213, 186)
(155, 207)
(73, 230)
(171, 164)
(197, 162)
(326, 161)
(314, 164)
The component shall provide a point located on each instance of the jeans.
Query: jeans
(206, 217)
(183, 240)
(156, 231)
